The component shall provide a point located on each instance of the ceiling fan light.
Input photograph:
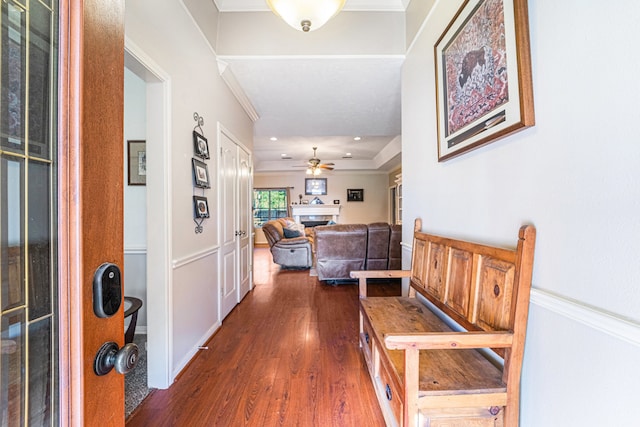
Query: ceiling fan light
(306, 15)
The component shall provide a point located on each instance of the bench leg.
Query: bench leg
(411, 385)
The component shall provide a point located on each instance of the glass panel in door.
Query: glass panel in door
(28, 299)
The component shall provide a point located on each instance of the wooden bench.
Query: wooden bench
(429, 371)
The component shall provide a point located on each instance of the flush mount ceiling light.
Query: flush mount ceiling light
(306, 15)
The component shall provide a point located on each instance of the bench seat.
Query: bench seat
(445, 371)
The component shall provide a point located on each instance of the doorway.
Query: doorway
(157, 242)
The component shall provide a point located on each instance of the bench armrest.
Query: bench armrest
(448, 340)
(363, 275)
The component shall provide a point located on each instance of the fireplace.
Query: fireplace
(311, 224)
(315, 213)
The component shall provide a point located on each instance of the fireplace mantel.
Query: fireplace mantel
(315, 210)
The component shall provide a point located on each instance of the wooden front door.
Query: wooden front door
(91, 202)
(61, 177)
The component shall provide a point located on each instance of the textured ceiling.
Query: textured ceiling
(323, 101)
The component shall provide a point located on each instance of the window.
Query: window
(268, 204)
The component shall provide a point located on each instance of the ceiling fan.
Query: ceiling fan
(314, 165)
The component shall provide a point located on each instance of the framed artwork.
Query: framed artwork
(201, 207)
(355, 195)
(484, 88)
(137, 168)
(315, 186)
(200, 174)
(200, 145)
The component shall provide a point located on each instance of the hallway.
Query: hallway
(286, 355)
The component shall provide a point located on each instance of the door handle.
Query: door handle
(109, 357)
(107, 290)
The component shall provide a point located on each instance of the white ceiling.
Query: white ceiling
(322, 101)
(261, 5)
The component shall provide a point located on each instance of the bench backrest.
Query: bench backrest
(480, 287)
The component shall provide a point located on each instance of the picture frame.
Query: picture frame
(200, 145)
(315, 186)
(137, 166)
(200, 174)
(200, 207)
(355, 195)
(484, 88)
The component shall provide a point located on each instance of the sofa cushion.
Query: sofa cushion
(395, 247)
(378, 246)
(290, 233)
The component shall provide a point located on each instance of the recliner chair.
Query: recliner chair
(294, 252)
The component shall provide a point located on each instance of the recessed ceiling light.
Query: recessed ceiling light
(357, 138)
(348, 154)
(283, 155)
(273, 138)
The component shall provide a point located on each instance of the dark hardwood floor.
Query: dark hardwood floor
(286, 355)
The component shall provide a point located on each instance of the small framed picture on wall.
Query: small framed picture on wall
(200, 145)
(200, 174)
(201, 207)
(355, 195)
(315, 186)
(137, 170)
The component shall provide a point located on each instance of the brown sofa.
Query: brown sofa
(343, 248)
(293, 252)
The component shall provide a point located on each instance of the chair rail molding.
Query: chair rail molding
(181, 262)
(610, 323)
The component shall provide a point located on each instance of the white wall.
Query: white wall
(575, 176)
(374, 208)
(169, 37)
(135, 199)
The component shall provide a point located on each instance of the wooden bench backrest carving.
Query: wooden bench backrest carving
(480, 287)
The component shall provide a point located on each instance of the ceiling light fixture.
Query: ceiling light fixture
(305, 14)
(313, 170)
(357, 138)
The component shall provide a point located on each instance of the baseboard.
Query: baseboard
(190, 356)
(142, 330)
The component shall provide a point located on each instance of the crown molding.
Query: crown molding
(231, 81)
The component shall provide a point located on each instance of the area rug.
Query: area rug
(135, 382)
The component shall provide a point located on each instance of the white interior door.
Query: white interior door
(245, 221)
(228, 224)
